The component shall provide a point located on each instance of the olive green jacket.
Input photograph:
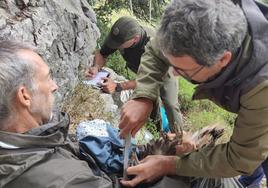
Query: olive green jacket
(44, 157)
(244, 92)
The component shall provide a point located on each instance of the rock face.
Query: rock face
(63, 31)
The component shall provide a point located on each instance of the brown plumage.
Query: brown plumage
(206, 137)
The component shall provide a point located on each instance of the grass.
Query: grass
(201, 113)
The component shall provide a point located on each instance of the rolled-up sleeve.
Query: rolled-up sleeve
(152, 71)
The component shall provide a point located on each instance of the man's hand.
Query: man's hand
(91, 72)
(99, 62)
(151, 168)
(108, 85)
(188, 144)
(133, 115)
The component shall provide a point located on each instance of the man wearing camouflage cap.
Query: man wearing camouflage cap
(130, 38)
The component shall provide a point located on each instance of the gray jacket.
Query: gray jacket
(44, 157)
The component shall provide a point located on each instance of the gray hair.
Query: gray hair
(14, 72)
(202, 29)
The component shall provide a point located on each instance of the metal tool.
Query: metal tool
(126, 155)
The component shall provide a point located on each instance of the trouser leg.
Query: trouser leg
(254, 179)
(169, 97)
(155, 115)
(265, 170)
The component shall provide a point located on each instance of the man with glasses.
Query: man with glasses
(222, 46)
(188, 74)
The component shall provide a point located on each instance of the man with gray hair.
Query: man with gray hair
(34, 148)
(221, 46)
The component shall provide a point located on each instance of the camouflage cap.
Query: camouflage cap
(123, 30)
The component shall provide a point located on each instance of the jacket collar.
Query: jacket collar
(51, 134)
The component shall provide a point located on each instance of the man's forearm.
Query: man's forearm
(99, 60)
(152, 70)
(99, 66)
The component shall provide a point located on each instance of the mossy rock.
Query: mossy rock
(85, 103)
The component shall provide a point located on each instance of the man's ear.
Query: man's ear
(24, 96)
(226, 59)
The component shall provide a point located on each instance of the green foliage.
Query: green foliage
(118, 64)
(264, 1)
(201, 113)
(185, 95)
(141, 8)
(105, 8)
(151, 127)
(198, 119)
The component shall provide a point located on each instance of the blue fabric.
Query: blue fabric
(256, 177)
(164, 119)
(265, 169)
(106, 150)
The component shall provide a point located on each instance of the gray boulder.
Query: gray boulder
(63, 31)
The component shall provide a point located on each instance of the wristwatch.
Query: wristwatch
(118, 87)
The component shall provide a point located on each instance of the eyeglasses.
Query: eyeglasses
(184, 73)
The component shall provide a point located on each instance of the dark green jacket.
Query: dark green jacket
(133, 54)
(43, 157)
(241, 88)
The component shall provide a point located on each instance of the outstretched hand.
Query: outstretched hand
(98, 62)
(134, 115)
(108, 85)
(91, 72)
(151, 168)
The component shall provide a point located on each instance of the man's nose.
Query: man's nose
(55, 87)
